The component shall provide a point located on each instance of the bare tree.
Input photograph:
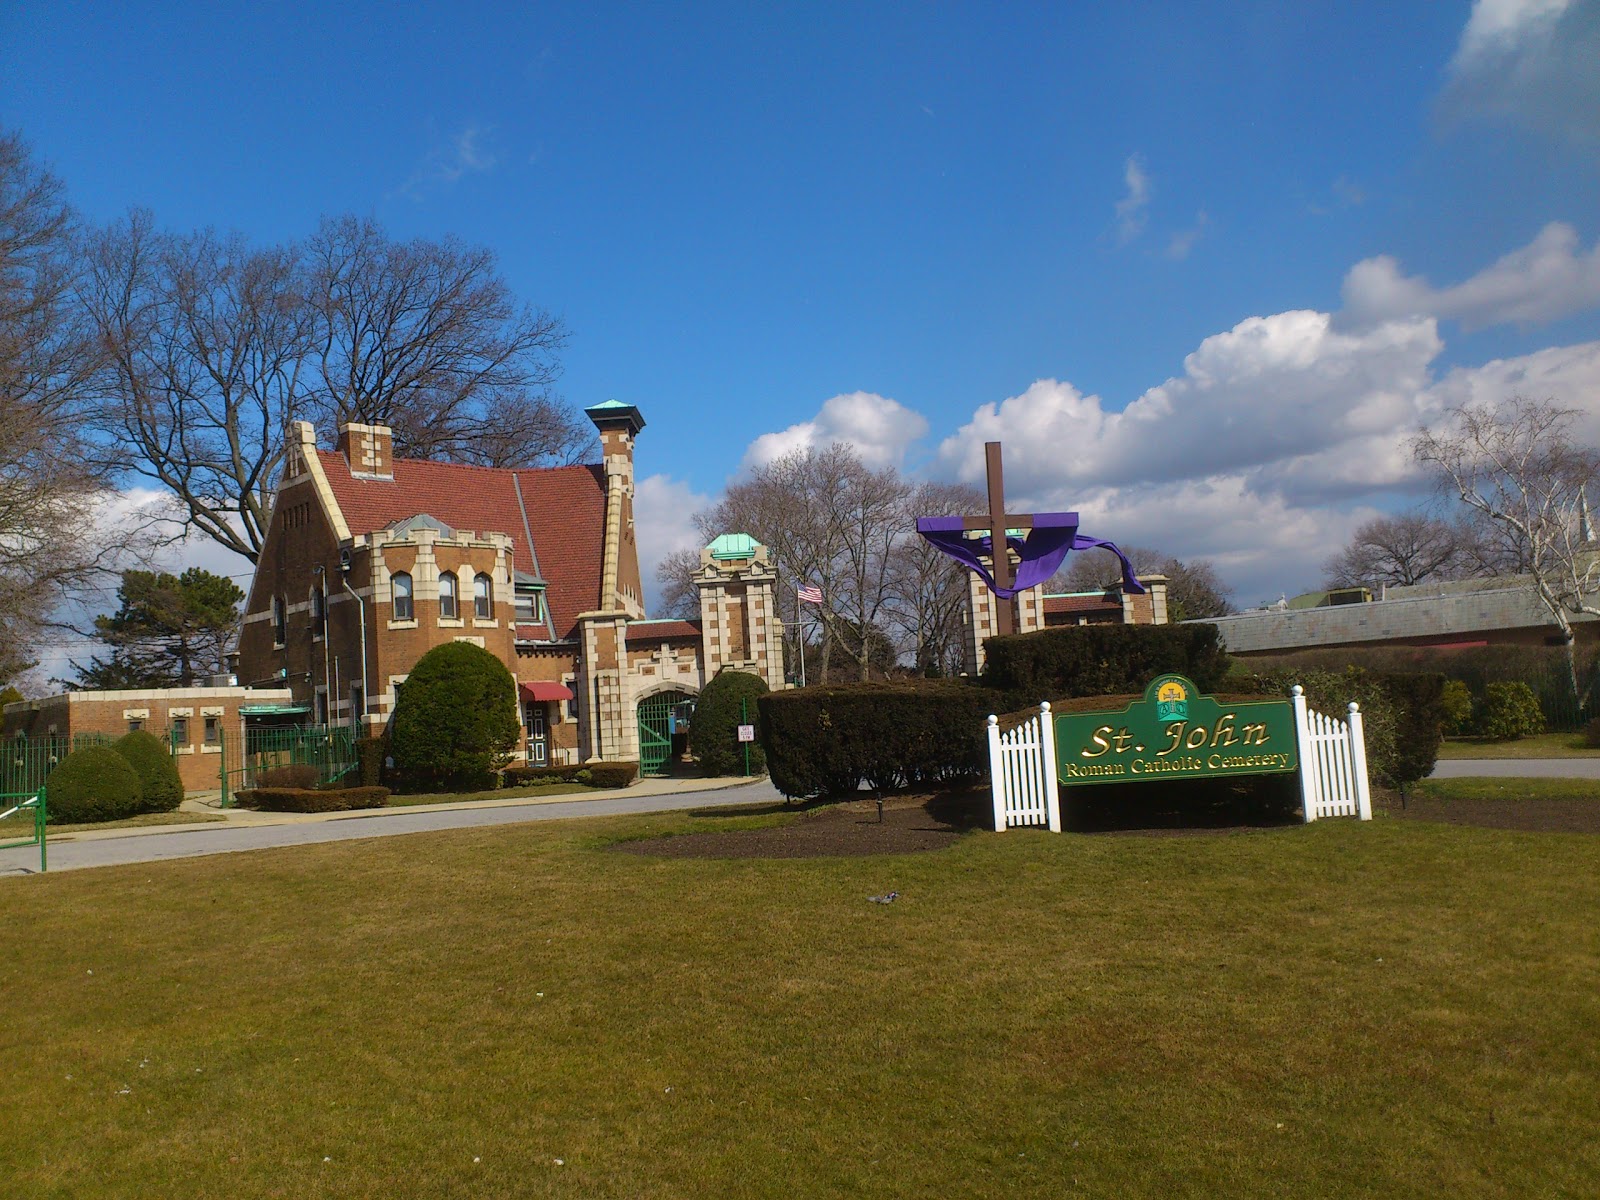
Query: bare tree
(928, 596)
(49, 544)
(213, 347)
(1517, 466)
(1400, 551)
(427, 337)
(675, 573)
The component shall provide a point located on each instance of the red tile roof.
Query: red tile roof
(565, 505)
(663, 631)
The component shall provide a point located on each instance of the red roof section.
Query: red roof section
(566, 513)
(1098, 602)
(663, 631)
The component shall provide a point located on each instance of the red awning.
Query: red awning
(544, 690)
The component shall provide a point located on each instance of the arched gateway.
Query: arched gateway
(661, 735)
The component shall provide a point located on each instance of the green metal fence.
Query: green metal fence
(25, 761)
(331, 750)
(18, 812)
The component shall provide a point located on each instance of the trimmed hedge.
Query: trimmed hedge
(312, 800)
(1102, 660)
(370, 753)
(151, 760)
(295, 776)
(1402, 715)
(714, 732)
(598, 775)
(93, 784)
(455, 720)
(830, 740)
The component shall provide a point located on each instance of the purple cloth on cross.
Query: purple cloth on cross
(1052, 537)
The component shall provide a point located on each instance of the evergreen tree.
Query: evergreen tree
(171, 631)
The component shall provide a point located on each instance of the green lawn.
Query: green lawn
(1396, 1008)
(1543, 745)
(1509, 789)
(21, 825)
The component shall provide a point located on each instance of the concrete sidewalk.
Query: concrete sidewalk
(1517, 768)
(244, 830)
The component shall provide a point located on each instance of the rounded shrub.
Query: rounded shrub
(1509, 711)
(93, 784)
(455, 722)
(151, 760)
(1457, 701)
(714, 731)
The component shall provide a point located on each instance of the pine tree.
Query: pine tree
(171, 631)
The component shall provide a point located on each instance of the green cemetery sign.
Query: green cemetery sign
(1175, 733)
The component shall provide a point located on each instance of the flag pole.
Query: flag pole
(800, 631)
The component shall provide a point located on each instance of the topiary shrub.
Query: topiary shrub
(93, 784)
(621, 774)
(714, 732)
(455, 722)
(1456, 699)
(151, 760)
(1508, 711)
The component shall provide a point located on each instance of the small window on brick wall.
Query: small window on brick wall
(280, 621)
(213, 730)
(134, 725)
(180, 731)
(401, 582)
(449, 597)
(483, 597)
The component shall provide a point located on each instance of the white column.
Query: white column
(997, 775)
(1358, 760)
(1310, 794)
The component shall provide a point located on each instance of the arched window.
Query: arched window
(483, 597)
(449, 596)
(280, 621)
(401, 583)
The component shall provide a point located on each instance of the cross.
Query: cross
(997, 521)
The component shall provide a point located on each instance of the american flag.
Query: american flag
(809, 593)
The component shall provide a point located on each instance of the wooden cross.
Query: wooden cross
(996, 521)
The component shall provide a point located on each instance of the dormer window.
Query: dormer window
(483, 597)
(401, 583)
(449, 597)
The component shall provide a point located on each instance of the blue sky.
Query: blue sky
(1201, 268)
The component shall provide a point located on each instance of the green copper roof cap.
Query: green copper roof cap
(614, 410)
(733, 545)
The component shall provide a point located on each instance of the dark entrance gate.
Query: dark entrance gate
(656, 732)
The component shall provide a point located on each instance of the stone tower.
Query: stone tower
(739, 609)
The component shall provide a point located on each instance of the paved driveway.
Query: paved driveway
(111, 847)
(1518, 768)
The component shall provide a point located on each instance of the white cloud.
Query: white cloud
(465, 152)
(1551, 277)
(1132, 208)
(663, 512)
(879, 429)
(1531, 62)
(1181, 243)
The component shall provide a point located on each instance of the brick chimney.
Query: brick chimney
(369, 449)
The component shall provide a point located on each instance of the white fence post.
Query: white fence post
(997, 775)
(1047, 766)
(1358, 759)
(1309, 791)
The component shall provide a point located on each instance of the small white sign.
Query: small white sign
(747, 733)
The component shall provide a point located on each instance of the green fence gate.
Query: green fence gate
(330, 750)
(657, 729)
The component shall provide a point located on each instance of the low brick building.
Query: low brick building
(198, 721)
(369, 561)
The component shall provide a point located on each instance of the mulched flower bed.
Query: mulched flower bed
(1526, 815)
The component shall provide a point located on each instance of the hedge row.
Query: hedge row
(312, 800)
(1402, 715)
(831, 740)
(1102, 660)
(597, 775)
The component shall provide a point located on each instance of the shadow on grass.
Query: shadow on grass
(1257, 802)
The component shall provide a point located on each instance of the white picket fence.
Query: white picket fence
(1333, 761)
(1022, 772)
(1332, 752)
